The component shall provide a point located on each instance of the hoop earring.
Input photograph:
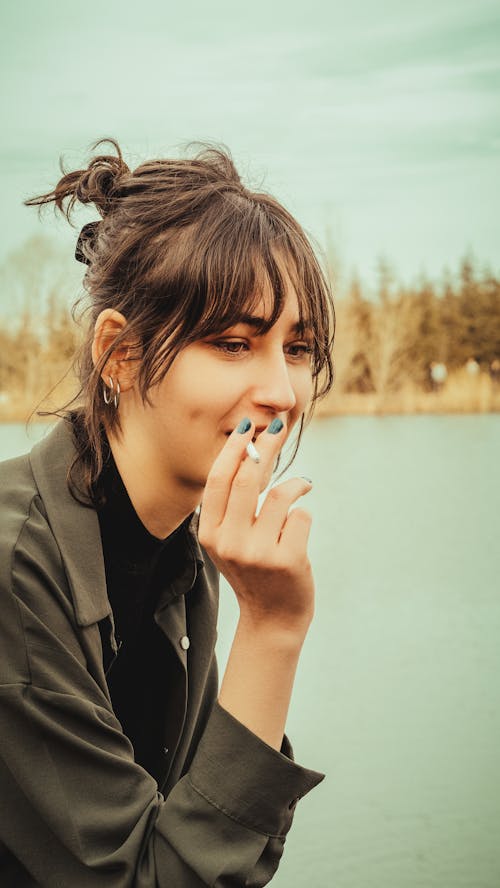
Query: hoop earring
(112, 395)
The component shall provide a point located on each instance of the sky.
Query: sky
(376, 123)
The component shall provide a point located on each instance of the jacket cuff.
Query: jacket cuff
(247, 779)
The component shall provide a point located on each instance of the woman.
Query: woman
(210, 331)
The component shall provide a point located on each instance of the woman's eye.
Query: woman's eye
(237, 348)
(299, 350)
(230, 347)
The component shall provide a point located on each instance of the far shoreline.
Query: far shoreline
(460, 394)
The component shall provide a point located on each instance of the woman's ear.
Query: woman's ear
(121, 364)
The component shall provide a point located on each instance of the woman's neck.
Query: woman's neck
(160, 502)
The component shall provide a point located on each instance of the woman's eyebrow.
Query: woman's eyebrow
(257, 322)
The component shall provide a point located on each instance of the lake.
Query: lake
(397, 697)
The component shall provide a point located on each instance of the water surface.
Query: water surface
(398, 689)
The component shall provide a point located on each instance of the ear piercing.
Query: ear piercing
(113, 394)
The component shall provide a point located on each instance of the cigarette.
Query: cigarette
(252, 452)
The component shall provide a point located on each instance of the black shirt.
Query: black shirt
(139, 568)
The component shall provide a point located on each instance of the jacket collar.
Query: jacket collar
(76, 526)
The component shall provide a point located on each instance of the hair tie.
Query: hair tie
(87, 235)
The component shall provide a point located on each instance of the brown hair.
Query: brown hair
(182, 249)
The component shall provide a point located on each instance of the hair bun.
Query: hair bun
(99, 182)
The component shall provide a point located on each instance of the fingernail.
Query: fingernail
(275, 427)
(309, 480)
(243, 426)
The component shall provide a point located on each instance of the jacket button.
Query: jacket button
(184, 642)
(165, 750)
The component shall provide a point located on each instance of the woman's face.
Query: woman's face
(214, 383)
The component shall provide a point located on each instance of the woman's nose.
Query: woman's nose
(273, 386)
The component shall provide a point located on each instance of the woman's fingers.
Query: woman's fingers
(264, 557)
(221, 477)
(251, 478)
(295, 532)
(228, 523)
(275, 509)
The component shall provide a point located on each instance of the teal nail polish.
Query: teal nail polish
(275, 427)
(306, 478)
(243, 426)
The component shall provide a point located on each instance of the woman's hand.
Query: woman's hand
(264, 558)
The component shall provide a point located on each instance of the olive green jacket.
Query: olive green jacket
(75, 808)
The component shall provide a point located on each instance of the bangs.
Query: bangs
(209, 276)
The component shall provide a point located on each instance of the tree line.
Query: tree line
(385, 341)
(390, 342)
(38, 335)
